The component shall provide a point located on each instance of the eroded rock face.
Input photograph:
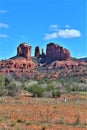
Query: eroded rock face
(55, 52)
(17, 65)
(20, 64)
(37, 51)
(24, 50)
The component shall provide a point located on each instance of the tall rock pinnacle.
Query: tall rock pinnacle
(24, 50)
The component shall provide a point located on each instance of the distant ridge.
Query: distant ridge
(84, 59)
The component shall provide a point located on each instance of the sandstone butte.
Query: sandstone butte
(24, 64)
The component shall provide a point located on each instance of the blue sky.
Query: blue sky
(39, 22)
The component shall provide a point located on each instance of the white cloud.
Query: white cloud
(3, 25)
(3, 11)
(50, 36)
(3, 36)
(62, 33)
(67, 26)
(54, 27)
(69, 33)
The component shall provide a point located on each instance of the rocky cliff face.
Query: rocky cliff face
(24, 50)
(20, 64)
(55, 52)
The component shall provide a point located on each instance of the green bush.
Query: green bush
(28, 123)
(13, 89)
(72, 88)
(56, 93)
(36, 91)
(13, 123)
(19, 121)
(2, 85)
(75, 88)
(2, 81)
(7, 80)
(49, 88)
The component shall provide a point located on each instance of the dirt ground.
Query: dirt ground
(27, 113)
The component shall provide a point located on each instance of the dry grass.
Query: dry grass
(29, 113)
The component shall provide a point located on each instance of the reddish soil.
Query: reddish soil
(26, 113)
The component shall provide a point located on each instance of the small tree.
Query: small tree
(56, 93)
(2, 81)
(2, 85)
(36, 91)
(13, 89)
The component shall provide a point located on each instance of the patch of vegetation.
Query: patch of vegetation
(60, 121)
(28, 123)
(77, 121)
(13, 123)
(56, 93)
(18, 128)
(19, 121)
(49, 88)
(13, 89)
(36, 90)
(44, 127)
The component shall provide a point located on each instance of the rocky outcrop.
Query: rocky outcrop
(22, 64)
(56, 52)
(63, 65)
(43, 52)
(24, 50)
(17, 65)
(37, 51)
(57, 62)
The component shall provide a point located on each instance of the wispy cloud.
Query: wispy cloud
(4, 25)
(67, 26)
(69, 33)
(4, 36)
(3, 11)
(50, 36)
(54, 27)
(62, 33)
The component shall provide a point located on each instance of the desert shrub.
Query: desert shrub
(77, 121)
(3, 92)
(82, 86)
(49, 88)
(2, 81)
(36, 91)
(13, 123)
(44, 127)
(28, 123)
(75, 88)
(2, 85)
(72, 87)
(13, 89)
(56, 93)
(19, 121)
(7, 80)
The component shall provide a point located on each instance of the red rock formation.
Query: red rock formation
(43, 52)
(55, 52)
(24, 50)
(17, 65)
(37, 51)
(63, 64)
(56, 59)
